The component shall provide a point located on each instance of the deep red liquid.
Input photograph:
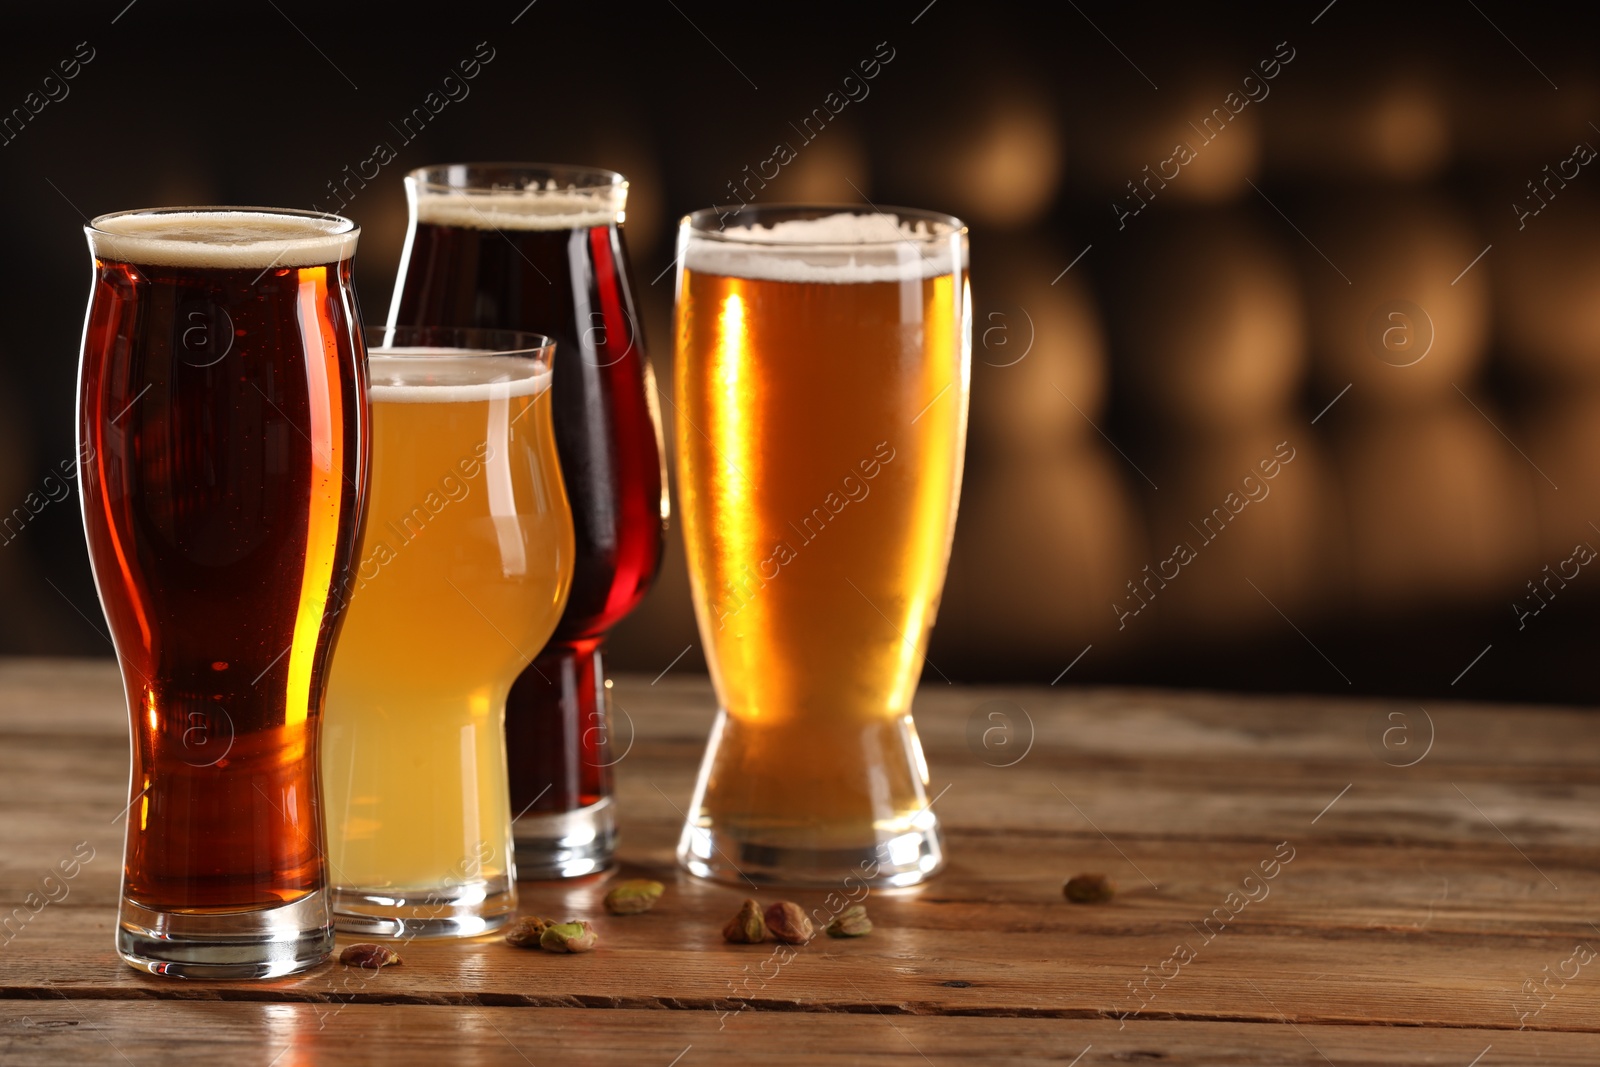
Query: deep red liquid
(572, 285)
(203, 395)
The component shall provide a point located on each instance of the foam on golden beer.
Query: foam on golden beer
(546, 207)
(450, 376)
(221, 240)
(842, 248)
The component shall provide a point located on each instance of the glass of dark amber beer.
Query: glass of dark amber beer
(536, 247)
(821, 377)
(223, 415)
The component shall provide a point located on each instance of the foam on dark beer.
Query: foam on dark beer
(530, 209)
(222, 240)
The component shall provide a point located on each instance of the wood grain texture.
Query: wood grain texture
(50, 1033)
(1421, 910)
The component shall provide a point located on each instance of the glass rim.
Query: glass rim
(598, 180)
(347, 227)
(474, 342)
(706, 224)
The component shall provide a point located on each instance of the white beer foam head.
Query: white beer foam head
(841, 248)
(538, 207)
(450, 376)
(245, 238)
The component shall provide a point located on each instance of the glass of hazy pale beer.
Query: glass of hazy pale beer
(222, 432)
(465, 566)
(823, 357)
(537, 246)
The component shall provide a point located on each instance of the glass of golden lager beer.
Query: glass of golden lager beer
(822, 365)
(465, 564)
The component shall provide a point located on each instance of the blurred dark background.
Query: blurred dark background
(1406, 182)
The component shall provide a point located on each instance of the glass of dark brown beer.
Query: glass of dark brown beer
(223, 434)
(821, 374)
(539, 247)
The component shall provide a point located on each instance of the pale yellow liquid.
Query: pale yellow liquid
(466, 562)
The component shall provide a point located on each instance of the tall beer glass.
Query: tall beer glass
(821, 379)
(464, 570)
(223, 444)
(536, 247)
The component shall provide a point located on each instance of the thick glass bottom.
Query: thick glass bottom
(776, 806)
(458, 910)
(740, 855)
(258, 943)
(566, 844)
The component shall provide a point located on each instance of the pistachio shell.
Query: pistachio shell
(633, 896)
(789, 923)
(748, 927)
(526, 931)
(568, 937)
(852, 922)
(373, 957)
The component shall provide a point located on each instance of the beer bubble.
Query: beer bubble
(999, 733)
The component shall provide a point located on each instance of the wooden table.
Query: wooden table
(1440, 912)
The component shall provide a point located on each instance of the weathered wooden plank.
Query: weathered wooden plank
(1450, 940)
(1438, 894)
(73, 695)
(50, 1032)
(1131, 764)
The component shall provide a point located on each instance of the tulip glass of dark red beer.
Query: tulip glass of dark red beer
(537, 247)
(223, 450)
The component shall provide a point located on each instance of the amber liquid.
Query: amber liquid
(573, 286)
(820, 443)
(225, 432)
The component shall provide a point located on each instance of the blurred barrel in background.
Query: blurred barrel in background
(1211, 325)
(992, 154)
(1547, 289)
(1044, 542)
(1039, 377)
(1564, 444)
(1136, 161)
(1384, 126)
(1048, 523)
(1397, 308)
(1439, 507)
(1252, 504)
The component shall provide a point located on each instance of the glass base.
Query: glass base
(461, 910)
(258, 943)
(566, 844)
(722, 854)
(763, 814)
